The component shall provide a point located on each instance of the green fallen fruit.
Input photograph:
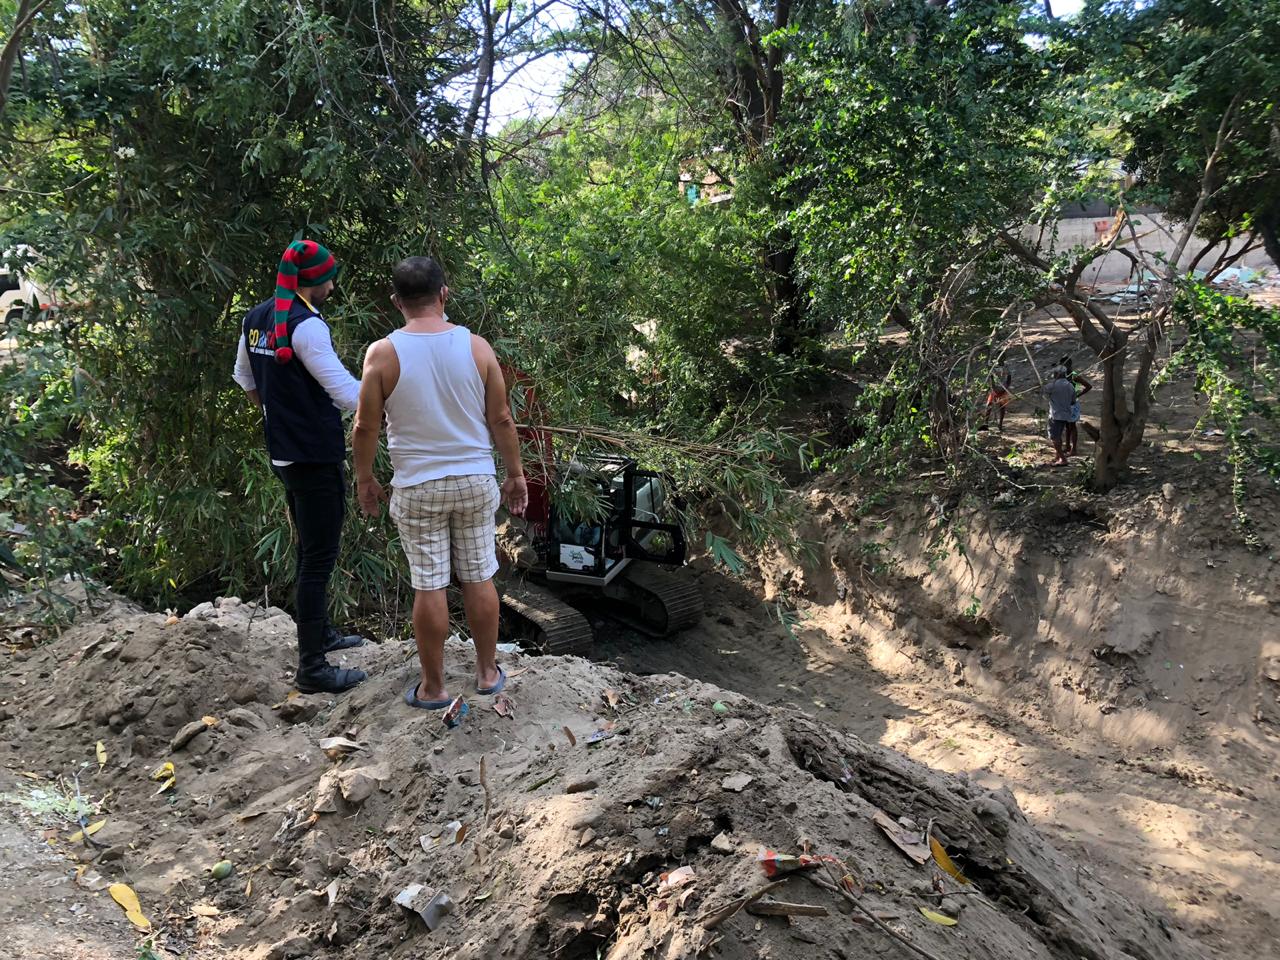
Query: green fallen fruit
(221, 870)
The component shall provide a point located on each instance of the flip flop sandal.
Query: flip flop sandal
(411, 698)
(497, 687)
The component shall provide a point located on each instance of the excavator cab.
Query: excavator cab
(639, 522)
(624, 559)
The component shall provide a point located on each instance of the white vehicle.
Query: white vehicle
(17, 294)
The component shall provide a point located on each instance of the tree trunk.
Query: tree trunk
(1108, 463)
(1269, 227)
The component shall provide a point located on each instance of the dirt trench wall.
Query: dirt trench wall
(1131, 616)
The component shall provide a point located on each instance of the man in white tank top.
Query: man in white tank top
(445, 402)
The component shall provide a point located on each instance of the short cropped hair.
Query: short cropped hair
(417, 279)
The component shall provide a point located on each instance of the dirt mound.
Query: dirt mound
(550, 830)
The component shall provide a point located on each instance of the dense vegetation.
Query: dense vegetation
(891, 164)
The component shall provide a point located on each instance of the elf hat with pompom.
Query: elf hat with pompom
(305, 261)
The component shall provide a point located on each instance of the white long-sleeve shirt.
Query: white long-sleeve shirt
(313, 346)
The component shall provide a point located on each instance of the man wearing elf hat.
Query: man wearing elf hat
(287, 365)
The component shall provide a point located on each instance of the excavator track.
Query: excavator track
(657, 602)
(550, 623)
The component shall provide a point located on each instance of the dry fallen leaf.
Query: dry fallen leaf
(573, 741)
(87, 831)
(101, 753)
(209, 721)
(504, 706)
(166, 773)
(123, 894)
(248, 887)
(908, 841)
(936, 917)
(942, 860)
(204, 910)
(612, 697)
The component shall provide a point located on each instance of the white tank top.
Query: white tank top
(436, 425)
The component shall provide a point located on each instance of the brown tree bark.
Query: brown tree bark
(12, 49)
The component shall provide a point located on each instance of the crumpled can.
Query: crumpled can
(456, 711)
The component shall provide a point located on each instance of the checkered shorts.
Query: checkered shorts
(448, 520)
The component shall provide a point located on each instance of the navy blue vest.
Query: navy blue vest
(301, 423)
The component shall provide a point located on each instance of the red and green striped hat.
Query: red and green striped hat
(303, 260)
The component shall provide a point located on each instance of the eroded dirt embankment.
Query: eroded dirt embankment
(1114, 661)
(551, 830)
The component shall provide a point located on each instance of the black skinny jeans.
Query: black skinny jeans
(317, 498)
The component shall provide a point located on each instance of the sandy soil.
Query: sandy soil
(556, 831)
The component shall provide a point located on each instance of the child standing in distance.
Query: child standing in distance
(998, 395)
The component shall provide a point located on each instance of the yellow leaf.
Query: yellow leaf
(209, 721)
(102, 756)
(166, 773)
(123, 894)
(936, 917)
(89, 830)
(941, 859)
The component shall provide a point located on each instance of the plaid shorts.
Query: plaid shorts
(450, 520)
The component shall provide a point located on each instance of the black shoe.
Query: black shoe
(333, 640)
(324, 677)
(315, 673)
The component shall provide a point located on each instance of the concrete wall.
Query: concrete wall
(1155, 234)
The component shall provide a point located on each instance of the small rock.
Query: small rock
(736, 782)
(299, 710)
(588, 835)
(581, 786)
(290, 949)
(993, 814)
(506, 831)
(359, 784)
(112, 854)
(335, 863)
(241, 717)
(327, 792)
(722, 844)
(187, 734)
(1167, 491)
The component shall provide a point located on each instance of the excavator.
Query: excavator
(623, 559)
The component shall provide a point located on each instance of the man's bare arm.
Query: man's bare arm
(255, 397)
(368, 425)
(497, 413)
